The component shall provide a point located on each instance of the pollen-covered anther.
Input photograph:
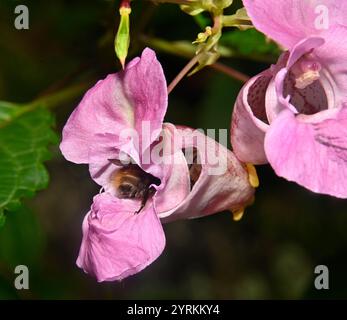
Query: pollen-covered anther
(238, 214)
(252, 175)
(203, 36)
(309, 73)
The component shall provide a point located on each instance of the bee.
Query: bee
(131, 182)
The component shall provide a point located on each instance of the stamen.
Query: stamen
(254, 182)
(238, 214)
(309, 72)
(252, 175)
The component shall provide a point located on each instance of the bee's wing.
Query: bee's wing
(117, 162)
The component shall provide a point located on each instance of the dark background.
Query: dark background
(270, 253)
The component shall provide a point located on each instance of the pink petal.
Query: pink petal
(332, 56)
(277, 85)
(272, 104)
(222, 185)
(121, 101)
(166, 162)
(116, 242)
(175, 185)
(249, 122)
(303, 46)
(329, 91)
(311, 150)
(289, 21)
(101, 154)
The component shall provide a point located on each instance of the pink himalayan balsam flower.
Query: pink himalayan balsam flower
(116, 242)
(294, 115)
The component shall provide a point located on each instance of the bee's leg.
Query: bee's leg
(145, 197)
(143, 202)
(142, 206)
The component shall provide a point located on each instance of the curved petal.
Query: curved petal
(332, 55)
(272, 105)
(164, 160)
(249, 122)
(303, 46)
(289, 21)
(311, 150)
(222, 184)
(175, 185)
(277, 86)
(328, 92)
(125, 100)
(116, 242)
(104, 158)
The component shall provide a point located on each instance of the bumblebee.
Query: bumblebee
(131, 182)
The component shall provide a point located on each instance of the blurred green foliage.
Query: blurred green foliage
(25, 133)
(271, 253)
(250, 43)
(22, 242)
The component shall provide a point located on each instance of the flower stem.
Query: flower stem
(217, 66)
(49, 101)
(183, 73)
(185, 50)
(230, 72)
(55, 99)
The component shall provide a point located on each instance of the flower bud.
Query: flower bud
(122, 39)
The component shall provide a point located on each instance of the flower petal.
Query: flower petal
(223, 182)
(311, 150)
(275, 96)
(116, 242)
(248, 125)
(289, 21)
(327, 92)
(102, 155)
(332, 55)
(163, 160)
(302, 47)
(121, 101)
(175, 185)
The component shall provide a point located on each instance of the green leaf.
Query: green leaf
(249, 43)
(2, 219)
(202, 21)
(25, 134)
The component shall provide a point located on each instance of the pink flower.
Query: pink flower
(121, 117)
(294, 115)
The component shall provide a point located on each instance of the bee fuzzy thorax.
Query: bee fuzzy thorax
(131, 182)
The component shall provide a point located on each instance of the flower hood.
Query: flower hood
(293, 115)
